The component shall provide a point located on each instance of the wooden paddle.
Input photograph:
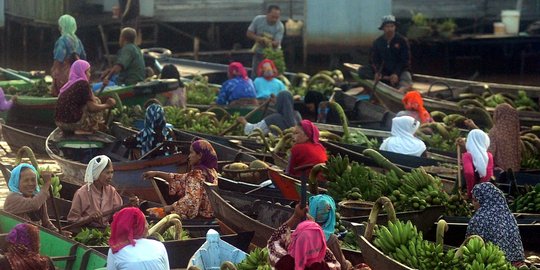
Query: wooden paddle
(247, 116)
(18, 76)
(459, 167)
(158, 192)
(55, 209)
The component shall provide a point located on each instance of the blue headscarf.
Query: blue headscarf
(154, 123)
(323, 209)
(14, 180)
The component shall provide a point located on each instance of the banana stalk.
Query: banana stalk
(336, 107)
(313, 183)
(461, 248)
(29, 153)
(227, 265)
(442, 227)
(372, 221)
(165, 223)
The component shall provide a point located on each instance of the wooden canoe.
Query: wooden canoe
(65, 253)
(19, 135)
(376, 259)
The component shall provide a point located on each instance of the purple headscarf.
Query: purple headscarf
(4, 104)
(208, 161)
(76, 73)
(26, 235)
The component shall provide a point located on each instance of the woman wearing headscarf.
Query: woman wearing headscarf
(414, 107)
(26, 199)
(323, 210)
(477, 161)
(310, 111)
(155, 129)
(67, 49)
(238, 90)
(190, 186)
(494, 222)
(284, 117)
(97, 196)
(307, 150)
(266, 83)
(129, 249)
(504, 136)
(23, 250)
(303, 249)
(77, 109)
(402, 138)
(176, 97)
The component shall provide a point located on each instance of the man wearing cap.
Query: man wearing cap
(390, 57)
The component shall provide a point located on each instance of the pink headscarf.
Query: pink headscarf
(308, 244)
(128, 225)
(311, 131)
(239, 68)
(4, 104)
(76, 73)
(267, 69)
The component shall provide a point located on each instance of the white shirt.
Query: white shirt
(145, 255)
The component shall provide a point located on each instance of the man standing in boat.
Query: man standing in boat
(267, 31)
(390, 57)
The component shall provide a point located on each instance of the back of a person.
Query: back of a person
(145, 255)
(265, 88)
(306, 154)
(241, 88)
(71, 102)
(133, 68)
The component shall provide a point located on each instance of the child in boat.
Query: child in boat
(477, 162)
(129, 249)
(77, 109)
(97, 196)
(238, 90)
(26, 199)
(289, 251)
(402, 139)
(307, 150)
(23, 250)
(414, 107)
(266, 83)
(494, 222)
(190, 186)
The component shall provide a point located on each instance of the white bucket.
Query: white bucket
(510, 18)
(498, 28)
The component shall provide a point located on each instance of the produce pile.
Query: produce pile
(402, 242)
(37, 89)
(192, 119)
(94, 237)
(276, 141)
(199, 91)
(324, 82)
(530, 149)
(490, 100)
(128, 115)
(255, 260)
(443, 132)
(355, 137)
(527, 203)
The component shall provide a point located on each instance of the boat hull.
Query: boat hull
(17, 136)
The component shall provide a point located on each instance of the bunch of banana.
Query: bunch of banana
(336, 165)
(127, 115)
(354, 176)
(205, 122)
(199, 91)
(475, 254)
(528, 203)
(339, 228)
(530, 145)
(276, 141)
(256, 260)
(433, 256)
(397, 234)
(419, 180)
(440, 135)
(349, 241)
(525, 103)
(56, 186)
(458, 206)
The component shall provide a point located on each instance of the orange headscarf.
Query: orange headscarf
(128, 225)
(413, 102)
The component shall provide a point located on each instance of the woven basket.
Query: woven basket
(350, 208)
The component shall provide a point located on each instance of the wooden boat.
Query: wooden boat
(19, 135)
(65, 253)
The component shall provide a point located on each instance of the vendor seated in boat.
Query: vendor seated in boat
(494, 222)
(305, 248)
(77, 109)
(402, 139)
(26, 199)
(477, 162)
(238, 90)
(307, 150)
(130, 62)
(414, 107)
(189, 186)
(310, 108)
(285, 116)
(267, 82)
(97, 196)
(177, 97)
(23, 250)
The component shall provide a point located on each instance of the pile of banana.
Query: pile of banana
(530, 148)
(324, 82)
(127, 115)
(199, 91)
(458, 206)
(442, 133)
(475, 254)
(419, 189)
(528, 203)
(55, 182)
(276, 141)
(256, 260)
(204, 122)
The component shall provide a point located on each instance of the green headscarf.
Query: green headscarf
(323, 209)
(68, 26)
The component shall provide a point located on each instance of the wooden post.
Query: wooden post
(196, 47)
(25, 46)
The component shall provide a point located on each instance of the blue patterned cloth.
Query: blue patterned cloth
(154, 122)
(494, 222)
(234, 89)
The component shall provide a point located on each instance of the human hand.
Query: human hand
(394, 79)
(168, 208)
(242, 120)
(134, 201)
(460, 141)
(111, 102)
(97, 216)
(47, 176)
(299, 212)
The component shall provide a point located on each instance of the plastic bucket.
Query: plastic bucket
(499, 28)
(510, 19)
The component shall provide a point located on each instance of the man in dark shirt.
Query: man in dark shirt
(130, 62)
(390, 57)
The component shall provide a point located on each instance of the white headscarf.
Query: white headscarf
(94, 168)
(402, 140)
(477, 145)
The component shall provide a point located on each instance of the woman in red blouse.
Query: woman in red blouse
(307, 149)
(477, 161)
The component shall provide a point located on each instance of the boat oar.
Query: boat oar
(18, 76)
(264, 184)
(247, 116)
(459, 167)
(156, 188)
(90, 219)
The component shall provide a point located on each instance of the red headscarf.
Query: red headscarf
(239, 68)
(308, 245)
(23, 251)
(128, 225)
(311, 131)
(413, 102)
(265, 64)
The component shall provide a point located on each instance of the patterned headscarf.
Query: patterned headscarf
(76, 73)
(285, 117)
(128, 225)
(504, 135)
(323, 209)
(311, 131)
(267, 69)
(23, 251)
(413, 102)
(239, 68)
(208, 161)
(95, 168)
(494, 221)
(14, 179)
(477, 145)
(154, 122)
(4, 104)
(308, 245)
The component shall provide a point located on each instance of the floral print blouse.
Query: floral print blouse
(194, 200)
